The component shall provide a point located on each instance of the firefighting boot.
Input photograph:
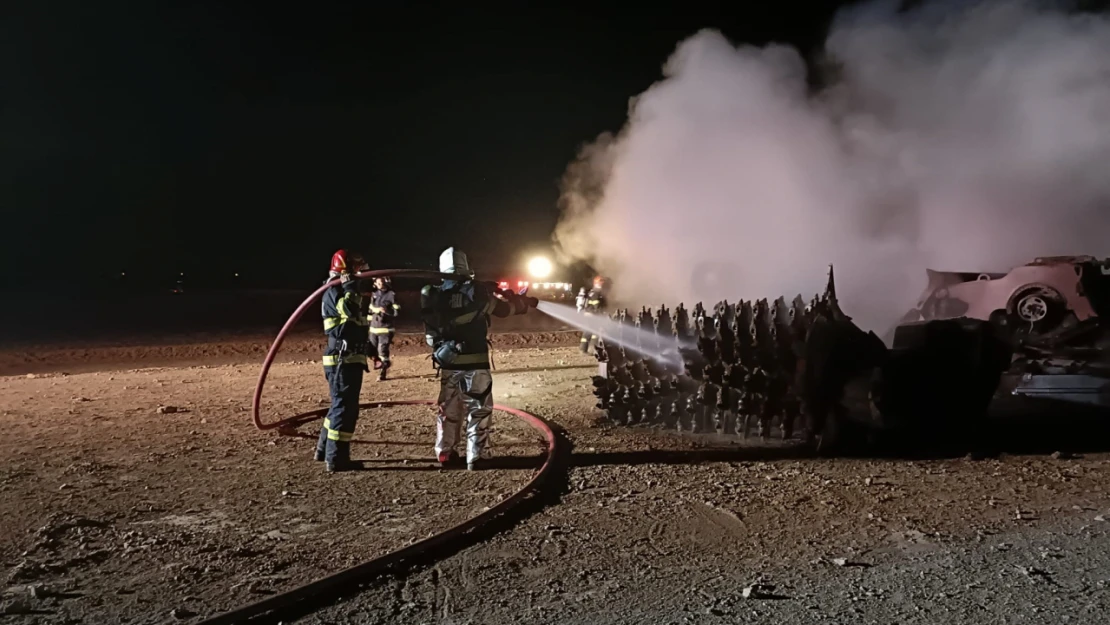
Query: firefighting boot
(337, 466)
(449, 459)
(384, 371)
(321, 446)
(340, 463)
(341, 460)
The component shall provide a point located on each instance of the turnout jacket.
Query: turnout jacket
(596, 301)
(345, 325)
(383, 311)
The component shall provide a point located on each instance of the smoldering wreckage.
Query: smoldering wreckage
(977, 345)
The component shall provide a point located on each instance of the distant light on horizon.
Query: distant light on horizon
(539, 267)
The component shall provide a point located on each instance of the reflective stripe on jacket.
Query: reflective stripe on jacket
(345, 325)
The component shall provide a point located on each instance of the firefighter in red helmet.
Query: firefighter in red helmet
(345, 358)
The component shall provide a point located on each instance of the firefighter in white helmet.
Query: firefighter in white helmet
(456, 325)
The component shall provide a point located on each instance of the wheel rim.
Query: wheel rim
(1032, 308)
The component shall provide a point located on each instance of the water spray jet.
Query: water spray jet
(633, 338)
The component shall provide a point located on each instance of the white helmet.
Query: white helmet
(454, 261)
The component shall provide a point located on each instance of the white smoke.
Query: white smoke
(969, 139)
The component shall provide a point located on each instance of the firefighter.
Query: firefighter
(595, 305)
(383, 321)
(456, 324)
(580, 301)
(344, 360)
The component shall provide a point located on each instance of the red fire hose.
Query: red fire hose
(364, 571)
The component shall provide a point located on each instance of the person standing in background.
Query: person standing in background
(383, 321)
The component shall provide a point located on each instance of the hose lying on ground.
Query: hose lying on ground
(365, 571)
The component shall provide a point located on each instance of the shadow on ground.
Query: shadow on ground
(1011, 437)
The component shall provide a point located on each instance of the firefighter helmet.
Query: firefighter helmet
(344, 261)
(454, 261)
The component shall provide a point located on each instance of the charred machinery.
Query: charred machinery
(729, 370)
(804, 369)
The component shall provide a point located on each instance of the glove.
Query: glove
(519, 304)
(344, 277)
(532, 302)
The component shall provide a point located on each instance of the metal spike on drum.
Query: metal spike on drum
(682, 323)
(781, 314)
(664, 327)
(737, 369)
(730, 315)
(726, 342)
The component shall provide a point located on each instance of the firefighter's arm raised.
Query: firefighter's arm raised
(350, 304)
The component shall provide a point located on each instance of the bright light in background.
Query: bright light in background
(539, 267)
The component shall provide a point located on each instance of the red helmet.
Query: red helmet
(345, 261)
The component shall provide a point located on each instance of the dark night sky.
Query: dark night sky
(158, 137)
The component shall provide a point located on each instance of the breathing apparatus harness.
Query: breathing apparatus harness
(444, 352)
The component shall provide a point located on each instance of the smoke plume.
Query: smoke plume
(972, 138)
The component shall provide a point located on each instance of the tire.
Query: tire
(1036, 310)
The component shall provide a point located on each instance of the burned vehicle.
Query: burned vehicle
(1036, 298)
(979, 346)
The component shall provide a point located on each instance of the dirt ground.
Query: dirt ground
(116, 512)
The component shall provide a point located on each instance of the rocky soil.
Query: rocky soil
(146, 496)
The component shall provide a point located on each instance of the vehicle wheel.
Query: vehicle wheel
(1038, 309)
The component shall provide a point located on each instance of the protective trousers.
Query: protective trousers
(587, 339)
(345, 384)
(382, 341)
(465, 395)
